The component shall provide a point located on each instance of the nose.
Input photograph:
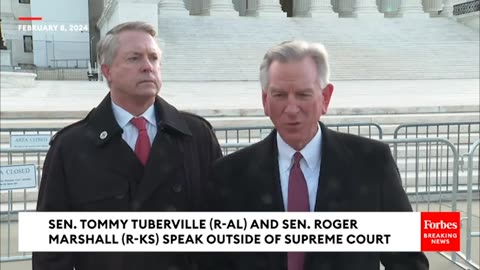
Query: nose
(147, 65)
(292, 106)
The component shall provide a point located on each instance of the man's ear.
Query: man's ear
(106, 72)
(266, 108)
(327, 95)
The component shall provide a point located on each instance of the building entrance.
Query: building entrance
(287, 6)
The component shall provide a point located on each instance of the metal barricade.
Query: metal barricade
(368, 130)
(429, 178)
(243, 136)
(472, 220)
(14, 201)
(461, 134)
(234, 138)
(428, 166)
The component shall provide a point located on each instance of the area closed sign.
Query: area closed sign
(17, 177)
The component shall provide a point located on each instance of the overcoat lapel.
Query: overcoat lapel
(333, 191)
(335, 173)
(166, 162)
(104, 131)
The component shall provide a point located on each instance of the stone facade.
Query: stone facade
(275, 8)
(299, 8)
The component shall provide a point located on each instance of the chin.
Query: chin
(148, 92)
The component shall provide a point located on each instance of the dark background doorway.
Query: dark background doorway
(287, 6)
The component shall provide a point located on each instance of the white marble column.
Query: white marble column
(7, 7)
(176, 7)
(322, 9)
(389, 7)
(346, 8)
(195, 7)
(411, 8)
(366, 8)
(240, 6)
(121, 11)
(252, 8)
(447, 8)
(269, 8)
(334, 4)
(432, 6)
(205, 10)
(222, 8)
(301, 8)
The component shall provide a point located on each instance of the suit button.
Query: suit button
(267, 199)
(120, 196)
(170, 208)
(177, 188)
(135, 205)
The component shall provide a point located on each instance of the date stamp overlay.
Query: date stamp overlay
(53, 28)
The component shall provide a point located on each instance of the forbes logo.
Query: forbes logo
(440, 231)
(439, 225)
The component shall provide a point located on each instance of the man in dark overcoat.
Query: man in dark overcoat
(134, 152)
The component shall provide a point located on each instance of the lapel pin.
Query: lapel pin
(103, 135)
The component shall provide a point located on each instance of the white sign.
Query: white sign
(225, 231)
(18, 177)
(29, 141)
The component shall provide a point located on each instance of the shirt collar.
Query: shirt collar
(311, 152)
(123, 117)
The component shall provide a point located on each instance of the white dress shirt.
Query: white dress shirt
(130, 132)
(310, 165)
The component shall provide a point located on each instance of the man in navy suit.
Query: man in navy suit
(304, 166)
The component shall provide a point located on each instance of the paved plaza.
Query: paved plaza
(244, 98)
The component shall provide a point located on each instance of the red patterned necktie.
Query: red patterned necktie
(297, 202)
(142, 146)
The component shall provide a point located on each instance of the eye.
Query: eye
(304, 95)
(279, 95)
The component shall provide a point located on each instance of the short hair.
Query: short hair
(296, 50)
(107, 47)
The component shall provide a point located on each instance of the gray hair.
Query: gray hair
(107, 47)
(296, 50)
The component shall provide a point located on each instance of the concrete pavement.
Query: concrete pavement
(74, 98)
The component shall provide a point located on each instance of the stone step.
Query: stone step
(445, 48)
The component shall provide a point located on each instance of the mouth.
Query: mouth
(146, 81)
